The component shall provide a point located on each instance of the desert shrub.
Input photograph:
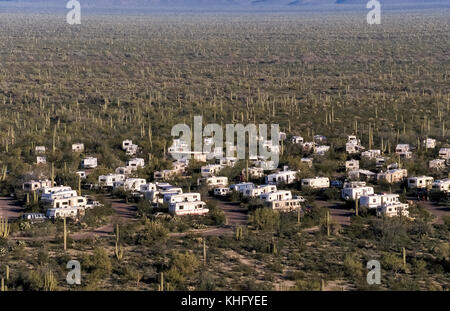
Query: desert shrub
(265, 219)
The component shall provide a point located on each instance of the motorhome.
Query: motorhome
(50, 197)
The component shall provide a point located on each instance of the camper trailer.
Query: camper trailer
(353, 193)
(316, 182)
(255, 192)
(392, 210)
(279, 195)
(34, 185)
(420, 182)
(188, 208)
(221, 192)
(403, 150)
(211, 169)
(134, 184)
(135, 163)
(429, 143)
(442, 185)
(377, 200)
(393, 175)
(213, 181)
(77, 147)
(89, 162)
(183, 197)
(108, 180)
(242, 187)
(444, 153)
(284, 177)
(297, 140)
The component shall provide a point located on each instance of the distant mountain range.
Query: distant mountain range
(225, 3)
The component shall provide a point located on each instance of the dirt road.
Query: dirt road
(10, 208)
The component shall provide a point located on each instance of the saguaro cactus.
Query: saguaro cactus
(204, 251)
(4, 227)
(118, 249)
(328, 223)
(65, 234)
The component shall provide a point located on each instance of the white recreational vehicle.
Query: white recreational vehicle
(89, 162)
(213, 181)
(134, 184)
(34, 185)
(316, 182)
(211, 169)
(444, 153)
(242, 187)
(354, 193)
(183, 197)
(188, 208)
(284, 177)
(420, 182)
(135, 163)
(77, 147)
(108, 180)
(280, 195)
(262, 189)
(394, 209)
(221, 192)
(442, 185)
(377, 200)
